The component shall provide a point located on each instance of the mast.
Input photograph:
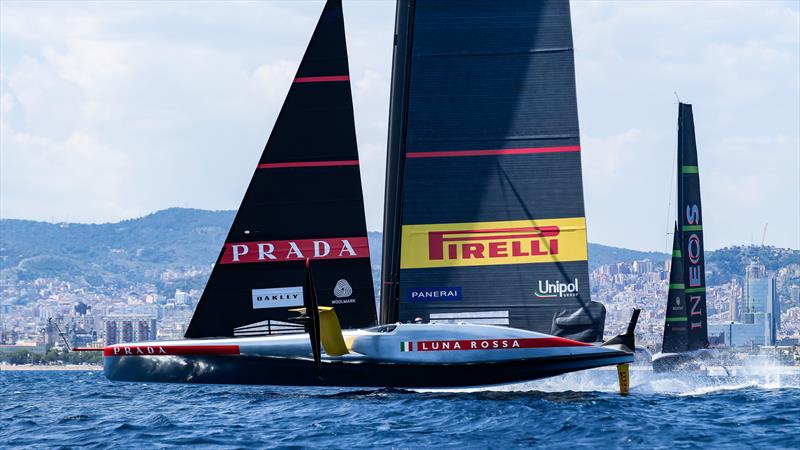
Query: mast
(676, 331)
(401, 62)
(691, 229)
(304, 202)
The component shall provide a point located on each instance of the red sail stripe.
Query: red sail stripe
(505, 151)
(322, 79)
(352, 162)
(498, 344)
(164, 350)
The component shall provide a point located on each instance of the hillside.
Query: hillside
(124, 252)
(177, 239)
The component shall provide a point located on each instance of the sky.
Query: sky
(114, 110)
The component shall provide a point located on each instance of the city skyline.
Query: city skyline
(124, 111)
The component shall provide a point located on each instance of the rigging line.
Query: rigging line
(672, 177)
(49, 321)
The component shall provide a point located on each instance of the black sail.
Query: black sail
(484, 215)
(676, 331)
(303, 202)
(691, 227)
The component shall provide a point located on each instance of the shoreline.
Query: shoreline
(43, 368)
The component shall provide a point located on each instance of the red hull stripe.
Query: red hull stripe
(295, 250)
(155, 350)
(498, 344)
(505, 151)
(322, 79)
(352, 162)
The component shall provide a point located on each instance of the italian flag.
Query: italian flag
(407, 346)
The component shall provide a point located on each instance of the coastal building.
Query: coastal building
(794, 295)
(734, 301)
(736, 334)
(129, 328)
(760, 302)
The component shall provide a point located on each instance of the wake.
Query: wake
(757, 374)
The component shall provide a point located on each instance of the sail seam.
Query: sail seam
(322, 79)
(283, 165)
(511, 53)
(521, 137)
(505, 151)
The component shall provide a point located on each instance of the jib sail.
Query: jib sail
(484, 213)
(691, 230)
(304, 201)
(676, 331)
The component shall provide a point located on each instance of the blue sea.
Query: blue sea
(73, 409)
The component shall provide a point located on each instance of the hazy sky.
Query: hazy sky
(114, 110)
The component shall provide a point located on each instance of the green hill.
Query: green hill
(179, 239)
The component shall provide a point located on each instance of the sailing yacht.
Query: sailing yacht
(485, 272)
(685, 343)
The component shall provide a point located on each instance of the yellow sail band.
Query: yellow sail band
(493, 243)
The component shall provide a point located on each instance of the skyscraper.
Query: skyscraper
(760, 301)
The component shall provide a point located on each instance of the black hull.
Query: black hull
(296, 372)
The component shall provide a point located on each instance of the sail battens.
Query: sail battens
(283, 165)
(692, 228)
(676, 286)
(695, 290)
(322, 79)
(505, 151)
(497, 53)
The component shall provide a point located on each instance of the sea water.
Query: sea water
(758, 409)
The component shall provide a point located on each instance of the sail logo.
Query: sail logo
(294, 250)
(496, 344)
(695, 291)
(342, 291)
(161, 350)
(493, 243)
(433, 294)
(278, 297)
(557, 289)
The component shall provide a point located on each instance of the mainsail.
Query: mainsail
(304, 201)
(484, 216)
(676, 331)
(691, 230)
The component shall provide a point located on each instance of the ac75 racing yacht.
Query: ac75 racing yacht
(485, 264)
